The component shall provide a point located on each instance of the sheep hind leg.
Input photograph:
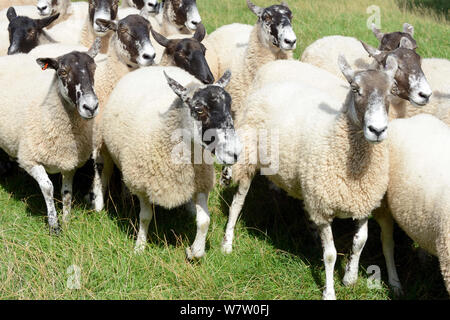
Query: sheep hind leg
(197, 249)
(443, 249)
(145, 217)
(66, 194)
(329, 259)
(235, 210)
(359, 240)
(46, 186)
(103, 169)
(386, 222)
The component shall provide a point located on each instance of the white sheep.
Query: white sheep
(263, 46)
(324, 52)
(150, 142)
(418, 193)
(320, 149)
(53, 134)
(150, 6)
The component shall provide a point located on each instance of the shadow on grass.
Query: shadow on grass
(272, 216)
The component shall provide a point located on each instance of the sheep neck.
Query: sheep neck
(65, 11)
(73, 137)
(256, 55)
(88, 36)
(351, 151)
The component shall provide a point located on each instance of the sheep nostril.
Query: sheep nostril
(235, 157)
(42, 8)
(290, 42)
(425, 95)
(195, 22)
(377, 132)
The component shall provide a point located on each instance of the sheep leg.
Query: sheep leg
(103, 169)
(46, 185)
(386, 223)
(145, 216)
(66, 194)
(359, 240)
(329, 259)
(197, 249)
(443, 249)
(236, 207)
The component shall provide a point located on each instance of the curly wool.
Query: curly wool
(138, 138)
(419, 186)
(323, 158)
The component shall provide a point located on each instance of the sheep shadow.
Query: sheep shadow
(271, 215)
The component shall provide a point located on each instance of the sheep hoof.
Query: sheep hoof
(190, 255)
(349, 279)
(55, 230)
(227, 248)
(139, 248)
(329, 295)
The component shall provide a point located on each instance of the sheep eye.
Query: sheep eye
(199, 110)
(63, 73)
(122, 30)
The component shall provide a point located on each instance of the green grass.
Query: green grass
(275, 255)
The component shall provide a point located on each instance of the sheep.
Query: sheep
(99, 9)
(324, 51)
(186, 53)
(418, 194)
(54, 134)
(264, 45)
(150, 142)
(25, 33)
(432, 102)
(176, 17)
(322, 150)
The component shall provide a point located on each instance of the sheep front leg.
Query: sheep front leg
(236, 207)
(39, 174)
(197, 249)
(103, 169)
(329, 259)
(145, 216)
(359, 240)
(66, 194)
(386, 223)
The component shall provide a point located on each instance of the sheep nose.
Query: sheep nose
(235, 156)
(42, 8)
(91, 108)
(290, 42)
(195, 23)
(377, 132)
(425, 96)
(146, 56)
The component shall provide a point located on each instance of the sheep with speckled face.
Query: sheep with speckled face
(144, 141)
(331, 153)
(418, 194)
(54, 133)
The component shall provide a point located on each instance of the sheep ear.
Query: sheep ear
(45, 22)
(177, 88)
(407, 28)
(375, 53)
(377, 32)
(108, 24)
(255, 9)
(95, 48)
(200, 33)
(160, 38)
(406, 43)
(47, 63)
(391, 66)
(346, 70)
(11, 13)
(224, 80)
(284, 3)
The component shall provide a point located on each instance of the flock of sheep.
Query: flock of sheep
(147, 69)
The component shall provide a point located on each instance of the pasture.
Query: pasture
(275, 254)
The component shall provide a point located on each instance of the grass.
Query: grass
(275, 255)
